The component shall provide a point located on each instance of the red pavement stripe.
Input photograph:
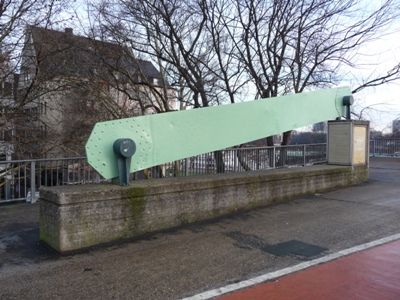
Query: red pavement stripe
(371, 274)
(212, 294)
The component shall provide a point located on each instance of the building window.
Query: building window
(43, 108)
(27, 76)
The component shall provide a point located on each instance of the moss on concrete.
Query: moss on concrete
(136, 206)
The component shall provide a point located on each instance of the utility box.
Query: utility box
(348, 142)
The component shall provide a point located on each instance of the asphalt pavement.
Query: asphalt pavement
(200, 257)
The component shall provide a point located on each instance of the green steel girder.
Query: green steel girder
(166, 137)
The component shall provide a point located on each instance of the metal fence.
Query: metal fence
(20, 180)
(246, 159)
(384, 147)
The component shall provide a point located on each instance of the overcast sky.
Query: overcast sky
(383, 100)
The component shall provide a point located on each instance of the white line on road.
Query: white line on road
(273, 275)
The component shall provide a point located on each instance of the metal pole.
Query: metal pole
(234, 157)
(187, 166)
(274, 157)
(33, 182)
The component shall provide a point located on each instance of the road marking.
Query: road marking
(273, 275)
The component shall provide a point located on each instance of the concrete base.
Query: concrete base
(76, 217)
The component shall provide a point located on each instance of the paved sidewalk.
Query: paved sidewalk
(197, 258)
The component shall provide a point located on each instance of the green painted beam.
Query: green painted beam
(162, 138)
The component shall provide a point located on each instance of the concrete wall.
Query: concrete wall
(75, 217)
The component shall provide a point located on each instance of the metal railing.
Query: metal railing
(243, 159)
(384, 147)
(20, 180)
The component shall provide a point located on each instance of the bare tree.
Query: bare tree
(80, 81)
(187, 40)
(293, 46)
(15, 15)
(182, 36)
(211, 50)
(283, 46)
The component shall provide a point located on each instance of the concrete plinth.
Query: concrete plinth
(76, 217)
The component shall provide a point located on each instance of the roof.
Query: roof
(66, 54)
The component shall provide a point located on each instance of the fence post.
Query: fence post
(186, 166)
(373, 148)
(234, 156)
(33, 182)
(274, 157)
(304, 155)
